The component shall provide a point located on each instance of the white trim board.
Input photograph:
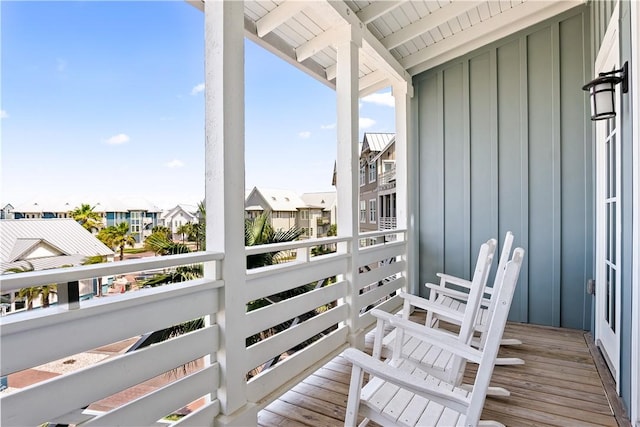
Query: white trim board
(635, 140)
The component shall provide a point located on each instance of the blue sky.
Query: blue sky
(106, 98)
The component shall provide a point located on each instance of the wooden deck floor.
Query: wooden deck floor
(559, 385)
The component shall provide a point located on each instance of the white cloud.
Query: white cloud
(384, 98)
(4, 114)
(197, 89)
(366, 123)
(304, 135)
(328, 127)
(118, 139)
(175, 164)
(61, 64)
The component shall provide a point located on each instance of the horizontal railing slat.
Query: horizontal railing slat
(283, 277)
(379, 273)
(307, 243)
(201, 417)
(16, 281)
(266, 317)
(101, 322)
(294, 368)
(109, 377)
(148, 409)
(376, 253)
(375, 294)
(275, 345)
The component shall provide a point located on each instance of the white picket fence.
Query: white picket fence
(32, 338)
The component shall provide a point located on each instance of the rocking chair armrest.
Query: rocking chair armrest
(438, 338)
(381, 314)
(454, 280)
(388, 372)
(447, 291)
(435, 308)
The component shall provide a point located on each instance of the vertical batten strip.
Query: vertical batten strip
(440, 140)
(466, 161)
(557, 175)
(524, 178)
(224, 187)
(494, 167)
(347, 166)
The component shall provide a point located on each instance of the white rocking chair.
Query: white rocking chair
(435, 361)
(400, 393)
(455, 299)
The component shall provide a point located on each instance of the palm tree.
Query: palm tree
(87, 217)
(201, 226)
(33, 292)
(185, 229)
(258, 231)
(117, 236)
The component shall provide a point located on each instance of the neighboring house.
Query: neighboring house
(178, 216)
(282, 204)
(141, 215)
(318, 214)
(386, 190)
(44, 244)
(372, 145)
(7, 211)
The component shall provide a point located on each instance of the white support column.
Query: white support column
(406, 180)
(347, 167)
(224, 192)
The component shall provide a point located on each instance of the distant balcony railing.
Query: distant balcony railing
(261, 371)
(387, 177)
(323, 221)
(387, 223)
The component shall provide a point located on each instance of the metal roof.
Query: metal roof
(276, 200)
(104, 204)
(376, 141)
(323, 200)
(65, 235)
(399, 38)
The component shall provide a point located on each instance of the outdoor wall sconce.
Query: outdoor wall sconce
(603, 94)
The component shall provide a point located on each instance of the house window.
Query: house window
(363, 174)
(363, 211)
(372, 172)
(304, 215)
(372, 211)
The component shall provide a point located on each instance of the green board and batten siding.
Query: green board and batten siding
(504, 141)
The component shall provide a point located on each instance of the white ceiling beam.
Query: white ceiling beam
(376, 10)
(428, 23)
(331, 69)
(485, 32)
(278, 16)
(370, 43)
(373, 82)
(316, 44)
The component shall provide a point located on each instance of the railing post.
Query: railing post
(69, 295)
(224, 197)
(406, 165)
(347, 166)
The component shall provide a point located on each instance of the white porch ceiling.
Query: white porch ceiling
(401, 38)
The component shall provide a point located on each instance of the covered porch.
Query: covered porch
(358, 48)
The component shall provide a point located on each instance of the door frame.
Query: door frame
(635, 281)
(610, 46)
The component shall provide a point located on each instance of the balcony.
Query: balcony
(199, 369)
(181, 381)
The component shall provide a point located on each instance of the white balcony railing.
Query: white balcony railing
(338, 298)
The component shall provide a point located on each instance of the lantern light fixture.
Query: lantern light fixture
(603, 94)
